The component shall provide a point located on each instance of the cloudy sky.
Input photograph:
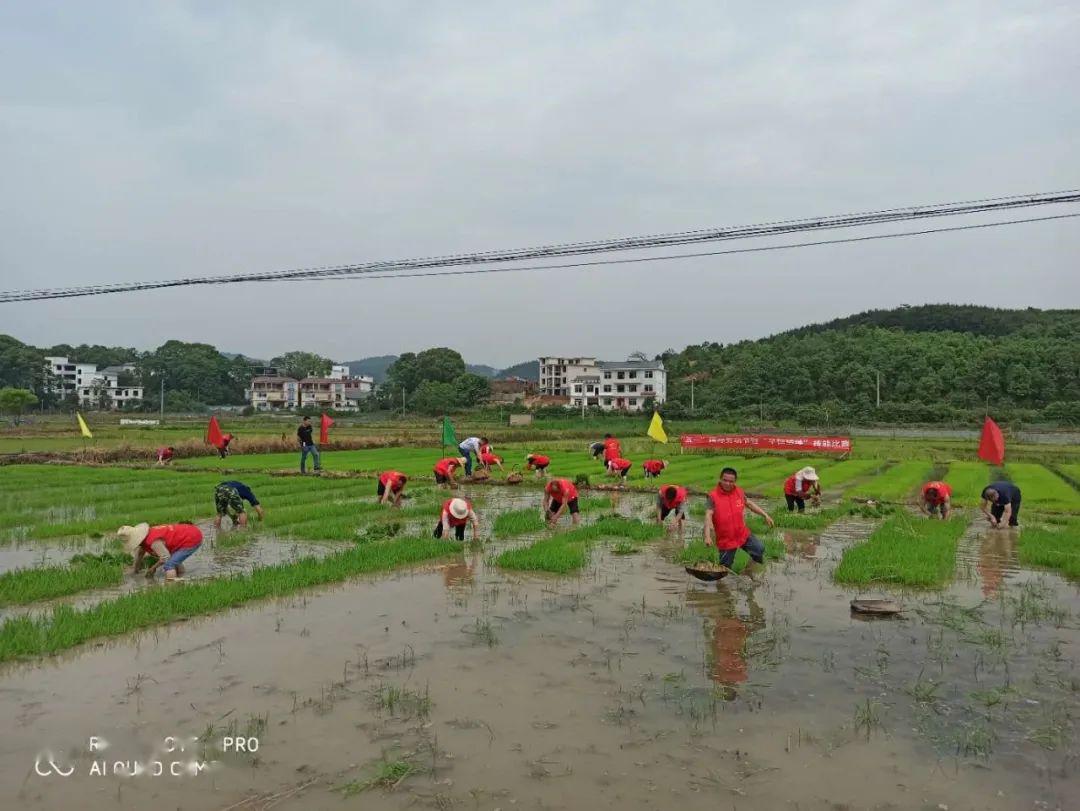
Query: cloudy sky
(154, 140)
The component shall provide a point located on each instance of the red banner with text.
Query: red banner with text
(767, 442)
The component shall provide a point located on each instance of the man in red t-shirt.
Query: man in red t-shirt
(444, 470)
(725, 521)
(539, 462)
(653, 467)
(560, 495)
(172, 543)
(487, 459)
(456, 513)
(619, 467)
(612, 448)
(936, 497)
(391, 487)
(671, 499)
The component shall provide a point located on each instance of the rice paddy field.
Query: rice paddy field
(366, 664)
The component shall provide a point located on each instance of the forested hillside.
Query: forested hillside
(930, 369)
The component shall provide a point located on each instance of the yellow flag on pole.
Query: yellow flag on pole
(83, 426)
(656, 428)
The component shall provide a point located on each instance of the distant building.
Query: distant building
(339, 372)
(273, 393)
(630, 385)
(512, 390)
(92, 385)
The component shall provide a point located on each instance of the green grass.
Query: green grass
(967, 480)
(1056, 547)
(531, 519)
(1042, 488)
(898, 483)
(821, 518)
(65, 627)
(569, 551)
(23, 586)
(906, 551)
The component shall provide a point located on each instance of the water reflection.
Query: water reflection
(801, 545)
(997, 555)
(728, 631)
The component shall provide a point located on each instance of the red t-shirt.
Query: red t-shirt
(538, 460)
(450, 519)
(729, 522)
(621, 464)
(392, 479)
(444, 466)
(175, 536)
(680, 497)
(561, 490)
(164, 454)
(490, 459)
(789, 487)
(943, 492)
(612, 449)
(485, 448)
(653, 466)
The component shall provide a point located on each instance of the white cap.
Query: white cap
(459, 508)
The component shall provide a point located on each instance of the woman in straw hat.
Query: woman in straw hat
(456, 513)
(172, 543)
(799, 486)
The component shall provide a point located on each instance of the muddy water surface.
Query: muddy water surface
(630, 686)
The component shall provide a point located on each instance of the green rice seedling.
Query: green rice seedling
(1055, 547)
(65, 627)
(1043, 488)
(115, 558)
(388, 775)
(518, 522)
(551, 555)
(625, 548)
(898, 483)
(869, 716)
(23, 586)
(905, 551)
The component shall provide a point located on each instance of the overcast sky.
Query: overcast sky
(152, 140)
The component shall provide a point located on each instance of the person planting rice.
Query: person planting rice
(223, 448)
(489, 459)
(171, 543)
(391, 487)
(936, 498)
(456, 513)
(165, 455)
(671, 499)
(596, 449)
(725, 521)
(229, 498)
(799, 486)
(560, 495)
(653, 467)
(1001, 503)
(307, 446)
(538, 462)
(619, 467)
(612, 448)
(470, 449)
(444, 470)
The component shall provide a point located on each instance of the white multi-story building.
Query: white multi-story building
(91, 384)
(632, 385)
(339, 371)
(275, 392)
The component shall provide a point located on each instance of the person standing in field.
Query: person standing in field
(560, 495)
(444, 470)
(539, 462)
(171, 543)
(619, 467)
(800, 485)
(456, 513)
(671, 499)
(1001, 503)
(653, 467)
(725, 520)
(470, 449)
(391, 487)
(936, 497)
(308, 446)
(229, 498)
(165, 455)
(612, 448)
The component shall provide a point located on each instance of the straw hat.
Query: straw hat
(459, 508)
(809, 474)
(133, 536)
(461, 460)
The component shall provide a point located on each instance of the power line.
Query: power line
(361, 275)
(395, 267)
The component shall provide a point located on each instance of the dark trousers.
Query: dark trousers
(459, 530)
(998, 510)
(795, 501)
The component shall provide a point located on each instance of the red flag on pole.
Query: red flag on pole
(324, 429)
(213, 433)
(992, 444)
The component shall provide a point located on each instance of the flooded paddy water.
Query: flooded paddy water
(629, 685)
